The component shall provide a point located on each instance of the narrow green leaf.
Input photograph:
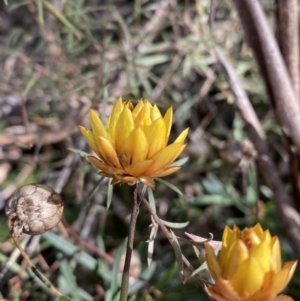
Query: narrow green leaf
(214, 199)
(40, 13)
(93, 191)
(146, 275)
(266, 191)
(115, 272)
(68, 275)
(151, 199)
(179, 162)
(32, 81)
(165, 277)
(39, 281)
(203, 272)
(147, 61)
(64, 298)
(79, 152)
(62, 19)
(177, 251)
(213, 185)
(13, 266)
(198, 254)
(173, 187)
(70, 250)
(175, 225)
(110, 189)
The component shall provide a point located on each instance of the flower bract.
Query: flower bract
(248, 267)
(133, 146)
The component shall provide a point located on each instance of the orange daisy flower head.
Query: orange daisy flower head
(249, 267)
(133, 147)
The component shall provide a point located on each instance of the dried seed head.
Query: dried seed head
(33, 209)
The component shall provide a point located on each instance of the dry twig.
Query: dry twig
(272, 67)
(287, 26)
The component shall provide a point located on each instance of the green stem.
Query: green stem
(133, 219)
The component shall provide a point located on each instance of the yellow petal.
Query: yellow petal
(166, 172)
(143, 118)
(127, 179)
(267, 281)
(89, 138)
(248, 278)
(124, 127)
(102, 166)
(258, 230)
(114, 117)
(148, 181)
(137, 109)
(166, 156)
(230, 236)
(124, 160)
(168, 121)
(182, 136)
(135, 147)
(250, 238)
(282, 278)
(276, 255)
(215, 294)
(266, 236)
(155, 113)
(156, 136)
(139, 169)
(105, 175)
(236, 254)
(97, 126)
(115, 181)
(107, 152)
(212, 262)
(262, 253)
(227, 290)
(129, 105)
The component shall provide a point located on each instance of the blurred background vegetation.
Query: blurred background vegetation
(58, 59)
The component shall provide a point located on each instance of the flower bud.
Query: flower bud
(33, 209)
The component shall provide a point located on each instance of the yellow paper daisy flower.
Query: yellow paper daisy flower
(133, 147)
(249, 267)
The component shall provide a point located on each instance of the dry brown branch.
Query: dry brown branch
(289, 215)
(272, 67)
(287, 30)
(44, 138)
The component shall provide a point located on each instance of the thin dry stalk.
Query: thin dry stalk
(287, 31)
(272, 67)
(35, 270)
